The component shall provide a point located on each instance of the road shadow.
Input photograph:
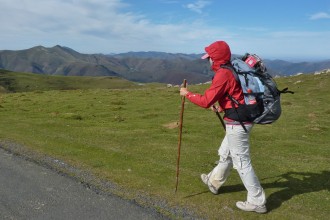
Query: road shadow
(291, 184)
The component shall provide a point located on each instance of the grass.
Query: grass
(26, 82)
(129, 136)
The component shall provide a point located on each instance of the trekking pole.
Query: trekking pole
(180, 135)
(219, 116)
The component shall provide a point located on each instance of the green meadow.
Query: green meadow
(127, 134)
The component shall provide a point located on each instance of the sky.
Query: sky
(282, 29)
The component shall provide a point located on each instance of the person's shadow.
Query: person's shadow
(293, 184)
(296, 183)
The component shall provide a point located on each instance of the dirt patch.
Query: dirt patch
(312, 115)
(171, 125)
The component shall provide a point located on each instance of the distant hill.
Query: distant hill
(281, 67)
(60, 60)
(55, 61)
(135, 66)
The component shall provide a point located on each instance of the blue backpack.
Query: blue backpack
(261, 95)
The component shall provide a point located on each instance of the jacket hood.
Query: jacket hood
(220, 54)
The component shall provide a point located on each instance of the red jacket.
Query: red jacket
(223, 82)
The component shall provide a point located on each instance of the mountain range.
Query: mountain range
(135, 66)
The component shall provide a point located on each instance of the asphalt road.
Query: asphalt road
(30, 191)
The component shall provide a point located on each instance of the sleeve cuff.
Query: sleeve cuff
(189, 94)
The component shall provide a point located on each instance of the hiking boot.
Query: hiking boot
(206, 181)
(246, 206)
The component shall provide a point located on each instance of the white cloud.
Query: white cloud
(60, 16)
(96, 26)
(197, 6)
(320, 15)
(109, 26)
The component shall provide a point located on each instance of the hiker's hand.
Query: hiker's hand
(216, 108)
(183, 91)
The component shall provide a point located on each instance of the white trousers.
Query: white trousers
(235, 152)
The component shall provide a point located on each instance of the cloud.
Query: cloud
(54, 16)
(320, 15)
(90, 26)
(111, 26)
(197, 6)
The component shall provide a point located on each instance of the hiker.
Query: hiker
(234, 150)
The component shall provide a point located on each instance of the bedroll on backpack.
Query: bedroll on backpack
(261, 95)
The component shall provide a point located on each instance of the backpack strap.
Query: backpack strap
(231, 68)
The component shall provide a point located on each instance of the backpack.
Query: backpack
(261, 95)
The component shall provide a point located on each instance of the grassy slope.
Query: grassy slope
(124, 136)
(26, 82)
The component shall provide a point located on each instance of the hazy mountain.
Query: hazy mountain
(60, 60)
(136, 66)
(158, 55)
(281, 67)
(54, 61)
